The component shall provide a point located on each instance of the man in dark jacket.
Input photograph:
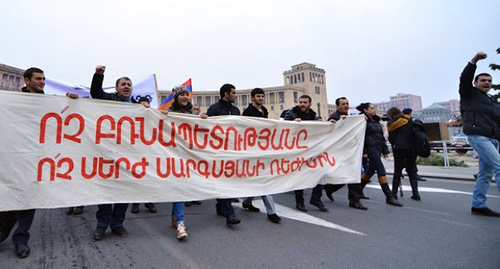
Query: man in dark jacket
(35, 82)
(257, 109)
(355, 190)
(225, 107)
(481, 117)
(112, 215)
(299, 113)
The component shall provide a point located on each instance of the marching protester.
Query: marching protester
(407, 114)
(480, 112)
(257, 109)
(342, 112)
(374, 148)
(34, 79)
(299, 113)
(225, 107)
(181, 104)
(400, 136)
(111, 215)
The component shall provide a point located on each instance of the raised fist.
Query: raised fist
(479, 56)
(100, 69)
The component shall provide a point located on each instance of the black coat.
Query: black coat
(336, 115)
(97, 92)
(480, 112)
(295, 113)
(374, 135)
(222, 108)
(400, 133)
(254, 112)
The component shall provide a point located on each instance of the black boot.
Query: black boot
(414, 189)
(396, 180)
(389, 196)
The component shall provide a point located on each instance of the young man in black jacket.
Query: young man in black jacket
(112, 215)
(257, 109)
(481, 117)
(299, 113)
(225, 107)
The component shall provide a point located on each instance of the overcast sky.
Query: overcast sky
(369, 49)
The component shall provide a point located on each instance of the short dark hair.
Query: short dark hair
(482, 74)
(394, 112)
(306, 96)
(118, 80)
(256, 91)
(29, 72)
(337, 101)
(226, 88)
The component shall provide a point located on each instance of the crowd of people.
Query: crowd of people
(481, 124)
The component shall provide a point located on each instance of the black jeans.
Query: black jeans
(24, 219)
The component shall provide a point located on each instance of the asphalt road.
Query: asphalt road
(437, 232)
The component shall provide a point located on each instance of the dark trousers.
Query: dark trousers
(24, 219)
(224, 205)
(315, 196)
(112, 215)
(404, 159)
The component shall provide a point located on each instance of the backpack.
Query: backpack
(421, 146)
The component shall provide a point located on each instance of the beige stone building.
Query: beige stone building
(304, 78)
(11, 78)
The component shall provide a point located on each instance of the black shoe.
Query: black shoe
(320, 205)
(421, 179)
(274, 218)
(135, 208)
(78, 210)
(250, 207)
(365, 197)
(196, 202)
(475, 176)
(235, 200)
(330, 196)
(187, 204)
(391, 201)
(232, 220)
(99, 233)
(120, 231)
(70, 210)
(357, 205)
(415, 197)
(484, 211)
(151, 207)
(301, 207)
(22, 250)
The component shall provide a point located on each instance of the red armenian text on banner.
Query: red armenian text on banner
(60, 152)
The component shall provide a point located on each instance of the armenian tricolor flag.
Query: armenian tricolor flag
(170, 98)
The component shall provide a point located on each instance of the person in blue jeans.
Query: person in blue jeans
(481, 119)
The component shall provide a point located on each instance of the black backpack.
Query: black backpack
(421, 146)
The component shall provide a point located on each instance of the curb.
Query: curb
(440, 176)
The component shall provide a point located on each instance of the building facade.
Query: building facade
(452, 105)
(11, 78)
(304, 78)
(433, 113)
(402, 101)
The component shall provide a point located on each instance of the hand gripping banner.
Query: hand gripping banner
(60, 152)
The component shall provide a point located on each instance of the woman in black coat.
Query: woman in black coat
(373, 149)
(401, 138)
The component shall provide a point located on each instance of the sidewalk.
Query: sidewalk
(454, 173)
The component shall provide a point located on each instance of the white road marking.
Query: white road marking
(294, 214)
(427, 189)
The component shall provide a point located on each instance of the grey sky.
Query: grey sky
(369, 49)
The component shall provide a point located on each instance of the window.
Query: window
(271, 98)
(244, 100)
(199, 100)
(310, 77)
(302, 77)
(236, 101)
(272, 108)
(281, 107)
(319, 110)
(207, 101)
(295, 97)
(281, 97)
(295, 78)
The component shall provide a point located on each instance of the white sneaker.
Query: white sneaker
(181, 231)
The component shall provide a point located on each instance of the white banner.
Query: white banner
(143, 88)
(60, 152)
